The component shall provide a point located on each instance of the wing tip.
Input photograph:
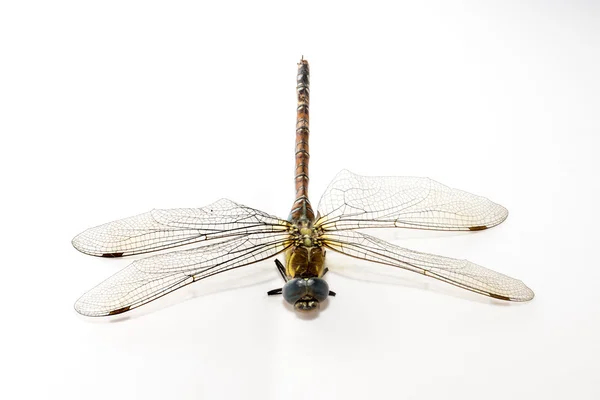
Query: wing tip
(502, 213)
(78, 243)
(524, 295)
(527, 295)
(499, 215)
(81, 244)
(82, 309)
(91, 310)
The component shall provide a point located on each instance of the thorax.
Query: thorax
(306, 256)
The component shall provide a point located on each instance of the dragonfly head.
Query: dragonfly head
(305, 293)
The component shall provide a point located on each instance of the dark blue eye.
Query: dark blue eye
(318, 288)
(294, 290)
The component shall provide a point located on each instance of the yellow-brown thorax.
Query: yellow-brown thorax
(306, 257)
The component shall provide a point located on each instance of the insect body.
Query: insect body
(231, 235)
(305, 259)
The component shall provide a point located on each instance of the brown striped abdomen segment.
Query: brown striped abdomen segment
(302, 205)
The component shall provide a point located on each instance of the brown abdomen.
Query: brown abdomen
(302, 205)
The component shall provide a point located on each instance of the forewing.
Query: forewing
(461, 273)
(352, 202)
(148, 279)
(163, 229)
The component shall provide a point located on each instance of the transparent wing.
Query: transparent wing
(352, 202)
(163, 229)
(461, 273)
(148, 279)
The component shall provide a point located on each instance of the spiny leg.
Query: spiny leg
(281, 270)
(331, 292)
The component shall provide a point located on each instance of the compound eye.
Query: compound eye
(318, 288)
(294, 290)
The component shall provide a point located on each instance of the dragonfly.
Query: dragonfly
(231, 235)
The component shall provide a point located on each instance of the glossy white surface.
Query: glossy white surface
(111, 110)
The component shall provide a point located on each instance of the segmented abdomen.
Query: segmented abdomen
(302, 205)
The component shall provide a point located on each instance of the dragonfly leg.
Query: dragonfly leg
(331, 292)
(281, 269)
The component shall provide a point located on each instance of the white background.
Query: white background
(110, 109)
